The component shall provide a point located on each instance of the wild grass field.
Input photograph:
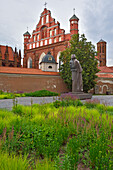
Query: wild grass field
(64, 135)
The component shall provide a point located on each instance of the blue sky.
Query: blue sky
(95, 20)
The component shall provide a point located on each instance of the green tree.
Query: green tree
(85, 53)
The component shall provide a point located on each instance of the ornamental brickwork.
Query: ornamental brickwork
(48, 36)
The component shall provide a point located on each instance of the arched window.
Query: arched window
(40, 59)
(45, 42)
(50, 41)
(42, 20)
(29, 64)
(38, 37)
(41, 43)
(30, 46)
(47, 18)
(59, 38)
(37, 44)
(43, 32)
(54, 40)
(34, 38)
(50, 33)
(55, 31)
(50, 67)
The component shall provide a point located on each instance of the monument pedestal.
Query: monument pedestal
(79, 95)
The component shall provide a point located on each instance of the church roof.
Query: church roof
(74, 17)
(105, 69)
(31, 71)
(26, 33)
(48, 58)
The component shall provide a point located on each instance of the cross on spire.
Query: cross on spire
(74, 10)
(45, 4)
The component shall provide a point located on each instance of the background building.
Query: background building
(101, 53)
(9, 58)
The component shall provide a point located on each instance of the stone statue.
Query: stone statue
(77, 85)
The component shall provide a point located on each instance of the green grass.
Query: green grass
(57, 136)
(41, 93)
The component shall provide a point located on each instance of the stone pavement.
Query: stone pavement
(8, 103)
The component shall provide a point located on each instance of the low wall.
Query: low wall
(28, 83)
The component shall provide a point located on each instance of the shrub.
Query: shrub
(41, 93)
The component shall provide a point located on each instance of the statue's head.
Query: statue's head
(73, 56)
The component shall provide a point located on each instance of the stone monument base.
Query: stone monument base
(79, 95)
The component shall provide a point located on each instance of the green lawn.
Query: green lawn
(60, 135)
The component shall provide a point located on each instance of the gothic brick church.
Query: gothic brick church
(47, 37)
(9, 58)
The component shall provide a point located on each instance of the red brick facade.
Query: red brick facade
(48, 36)
(101, 52)
(9, 58)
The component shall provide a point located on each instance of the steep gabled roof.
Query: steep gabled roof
(101, 40)
(27, 33)
(74, 17)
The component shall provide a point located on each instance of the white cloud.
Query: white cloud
(95, 19)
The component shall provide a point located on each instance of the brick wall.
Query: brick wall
(28, 83)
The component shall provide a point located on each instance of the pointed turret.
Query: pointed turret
(26, 36)
(74, 24)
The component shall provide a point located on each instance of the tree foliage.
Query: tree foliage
(85, 53)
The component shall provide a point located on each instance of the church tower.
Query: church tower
(0, 56)
(101, 52)
(74, 24)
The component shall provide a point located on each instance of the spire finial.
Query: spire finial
(27, 28)
(74, 11)
(45, 4)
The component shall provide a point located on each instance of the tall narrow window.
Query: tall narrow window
(55, 31)
(50, 32)
(54, 40)
(38, 37)
(45, 42)
(103, 48)
(50, 41)
(30, 62)
(100, 48)
(42, 20)
(37, 44)
(47, 18)
(43, 32)
(59, 38)
(34, 38)
(41, 44)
